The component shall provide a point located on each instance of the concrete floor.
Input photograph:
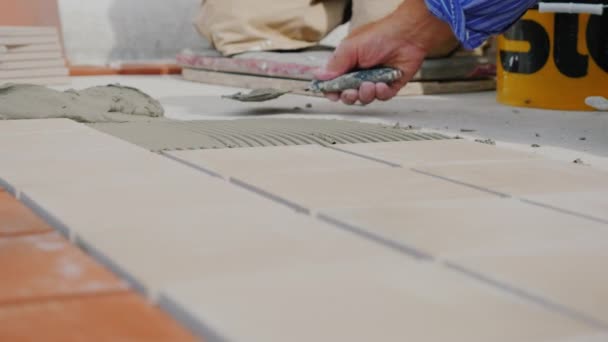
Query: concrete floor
(561, 135)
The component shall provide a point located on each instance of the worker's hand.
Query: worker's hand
(401, 40)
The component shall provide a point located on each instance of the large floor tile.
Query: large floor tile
(180, 245)
(116, 317)
(416, 153)
(47, 265)
(376, 299)
(140, 201)
(61, 156)
(526, 177)
(359, 187)
(455, 228)
(16, 219)
(244, 161)
(549, 253)
(88, 180)
(568, 271)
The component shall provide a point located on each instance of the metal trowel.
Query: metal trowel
(352, 80)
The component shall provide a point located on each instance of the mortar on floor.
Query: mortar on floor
(112, 103)
(184, 135)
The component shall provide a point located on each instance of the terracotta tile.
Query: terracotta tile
(457, 228)
(150, 69)
(90, 70)
(415, 153)
(105, 318)
(46, 265)
(383, 298)
(16, 219)
(30, 13)
(126, 69)
(361, 187)
(526, 177)
(244, 161)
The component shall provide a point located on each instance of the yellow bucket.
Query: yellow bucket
(553, 61)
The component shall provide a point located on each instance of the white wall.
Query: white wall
(100, 32)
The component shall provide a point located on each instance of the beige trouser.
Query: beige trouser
(235, 26)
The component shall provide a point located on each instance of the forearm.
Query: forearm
(414, 24)
(473, 21)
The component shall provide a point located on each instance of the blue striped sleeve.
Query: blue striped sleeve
(473, 21)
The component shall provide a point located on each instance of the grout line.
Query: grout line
(67, 233)
(386, 242)
(49, 218)
(189, 320)
(298, 208)
(523, 200)
(377, 160)
(8, 187)
(112, 266)
(400, 248)
(403, 249)
(480, 188)
(192, 165)
(529, 297)
(133, 284)
(564, 211)
(472, 186)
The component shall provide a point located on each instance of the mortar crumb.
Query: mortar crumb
(486, 141)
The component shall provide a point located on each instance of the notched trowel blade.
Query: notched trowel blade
(258, 95)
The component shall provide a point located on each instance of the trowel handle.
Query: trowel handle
(355, 79)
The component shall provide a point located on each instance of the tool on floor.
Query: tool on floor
(349, 81)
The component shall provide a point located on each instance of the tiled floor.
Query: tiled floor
(428, 241)
(52, 291)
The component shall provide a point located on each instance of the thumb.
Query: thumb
(343, 60)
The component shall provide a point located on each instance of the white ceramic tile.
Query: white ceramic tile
(90, 181)
(526, 177)
(569, 271)
(415, 153)
(383, 298)
(243, 161)
(456, 228)
(64, 152)
(359, 187)
(127, 202)
(184, 244)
